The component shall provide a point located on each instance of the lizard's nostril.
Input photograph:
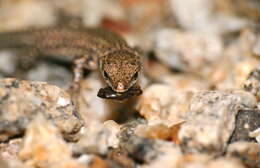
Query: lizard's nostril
(120, 87)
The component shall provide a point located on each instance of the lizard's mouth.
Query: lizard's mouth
(109, 93)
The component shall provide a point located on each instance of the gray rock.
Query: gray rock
(211, 120)
(21, 101)
(145, 150)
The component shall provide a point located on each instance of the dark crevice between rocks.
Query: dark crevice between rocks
(16, 136)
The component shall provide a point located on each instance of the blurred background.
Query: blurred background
(208, 38)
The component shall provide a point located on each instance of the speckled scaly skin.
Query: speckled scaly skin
(91, 48)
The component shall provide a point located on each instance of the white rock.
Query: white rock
(98, 138)
(162, 103)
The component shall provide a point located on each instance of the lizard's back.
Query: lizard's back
(64, 42)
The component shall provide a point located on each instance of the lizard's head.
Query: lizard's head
(120, 69)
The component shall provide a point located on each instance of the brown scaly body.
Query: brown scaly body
(91, 48)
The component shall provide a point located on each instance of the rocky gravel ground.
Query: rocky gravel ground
(201, 88)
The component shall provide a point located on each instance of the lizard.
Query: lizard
(87, 48)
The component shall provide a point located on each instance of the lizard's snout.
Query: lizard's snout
(120, 87)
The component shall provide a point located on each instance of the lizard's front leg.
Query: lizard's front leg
(84, 62)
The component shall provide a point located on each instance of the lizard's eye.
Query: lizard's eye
(106, 75)
(135, 76)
